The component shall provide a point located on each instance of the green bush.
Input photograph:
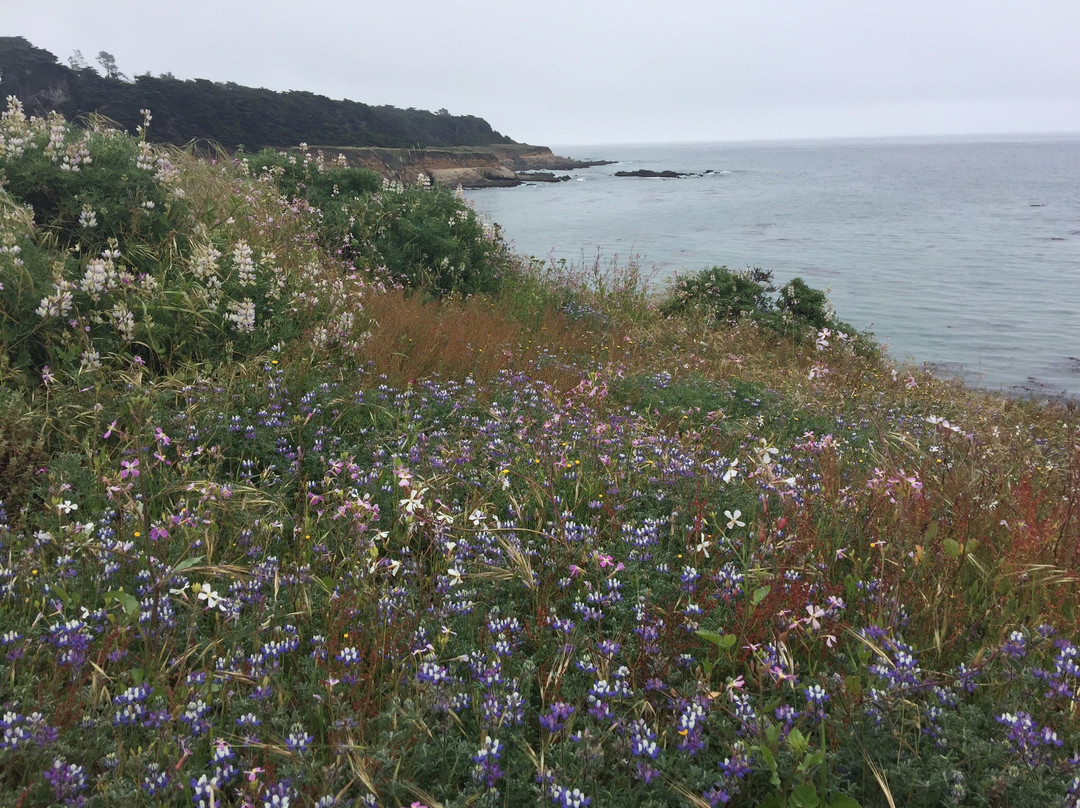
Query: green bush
(429, 239)
(105, 259)
(424, 238)
(720, 294)
(803, 305)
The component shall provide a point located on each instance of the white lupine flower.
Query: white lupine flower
(123, 320)
(89, 361)
(244, 263)
(57, 305)
(242, 315)
(204, 261)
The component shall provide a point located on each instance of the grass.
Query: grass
(544, 546)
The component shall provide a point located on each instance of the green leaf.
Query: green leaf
(759, 595)
(728, 641)
(187, 564)
(815, 758)
(128, 602)
(711, 636)
(775, 801)
(797, 741)
(805, 796)
(842, 801)
(63, 593)
(952, 548)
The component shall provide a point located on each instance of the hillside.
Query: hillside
(312, 493)
(225, 113)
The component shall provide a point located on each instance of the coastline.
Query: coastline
(495, 166)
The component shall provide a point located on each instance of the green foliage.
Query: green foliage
(429, 239)
(323, 185)
(225, 113)
(721, 295)
(425, 238)
(799, 303)
(107, 264)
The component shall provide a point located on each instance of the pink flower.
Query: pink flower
(129, 468)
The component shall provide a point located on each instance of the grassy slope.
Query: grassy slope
(382, 550)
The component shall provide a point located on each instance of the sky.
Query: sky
(620, 71)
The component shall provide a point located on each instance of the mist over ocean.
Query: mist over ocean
(963, 253)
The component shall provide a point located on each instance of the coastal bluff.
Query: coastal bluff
(495, 166)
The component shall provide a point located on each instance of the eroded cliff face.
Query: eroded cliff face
(467, 166)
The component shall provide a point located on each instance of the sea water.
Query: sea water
(963, 254)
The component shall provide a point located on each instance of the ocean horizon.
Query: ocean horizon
(959, 252)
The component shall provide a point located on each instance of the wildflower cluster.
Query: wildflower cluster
(607, 565)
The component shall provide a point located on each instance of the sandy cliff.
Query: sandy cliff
(468, 166)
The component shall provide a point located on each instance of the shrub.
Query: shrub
(429, 239)
(105, 262)
(803, 305)
(425, 238)
(720, 294)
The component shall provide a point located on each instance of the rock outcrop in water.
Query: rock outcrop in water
(666, 175)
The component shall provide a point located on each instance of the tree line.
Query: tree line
(224, 113)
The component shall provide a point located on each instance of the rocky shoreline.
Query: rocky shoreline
(497, 166)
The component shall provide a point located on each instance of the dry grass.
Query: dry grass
(415, 339)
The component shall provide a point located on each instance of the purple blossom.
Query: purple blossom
(487, 770)
(68, 781)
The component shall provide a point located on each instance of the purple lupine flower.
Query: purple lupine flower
(558, 714)
(644, 748)
(298, 740)
(154, 780)
(487, 759)
(567, 798)
(68, 781)
(1016, 645)
(1027, 738)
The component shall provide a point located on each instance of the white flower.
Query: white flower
(732, 472)
(414, 502)
(206, 592)
(455, 576)
(242, 315)
(766, 452)
(733, 519)
(67, 506)
(815, 614)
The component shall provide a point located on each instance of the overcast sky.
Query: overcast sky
(564, 72)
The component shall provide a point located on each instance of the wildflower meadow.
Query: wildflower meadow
(313, 493)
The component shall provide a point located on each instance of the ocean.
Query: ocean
(962, 254)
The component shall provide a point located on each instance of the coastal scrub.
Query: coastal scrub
(278, 531)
